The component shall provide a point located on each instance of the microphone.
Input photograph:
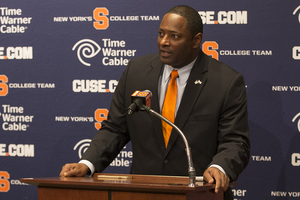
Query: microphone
(142, 100)
(138, 99)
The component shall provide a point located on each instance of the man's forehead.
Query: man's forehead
(173, 21)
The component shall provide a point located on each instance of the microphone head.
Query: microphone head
(150, 93)
(144, 95)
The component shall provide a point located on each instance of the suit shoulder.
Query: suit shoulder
(139, 64)
(218, 66)
(146, 59)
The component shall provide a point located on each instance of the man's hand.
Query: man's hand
(214, 175)
(74, 169)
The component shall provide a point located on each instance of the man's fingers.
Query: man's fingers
(207, 177)
(214, 175)
(224, 182)
(68, 173)
(67, 168)
(72, 172)
(74, 169)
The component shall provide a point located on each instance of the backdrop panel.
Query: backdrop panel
(60, 62)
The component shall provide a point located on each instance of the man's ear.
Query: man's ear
(197, 40)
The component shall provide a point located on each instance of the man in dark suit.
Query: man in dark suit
(211, 110)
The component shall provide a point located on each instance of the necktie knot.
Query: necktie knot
(174, 74)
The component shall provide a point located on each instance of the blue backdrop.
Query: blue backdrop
(60, 62)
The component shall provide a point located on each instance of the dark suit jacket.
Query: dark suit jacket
(212, 115)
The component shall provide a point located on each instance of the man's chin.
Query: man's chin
(165, 61)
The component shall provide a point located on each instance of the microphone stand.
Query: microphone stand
(191, 169)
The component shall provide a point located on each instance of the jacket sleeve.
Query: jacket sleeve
(233, 134)
(113, 134)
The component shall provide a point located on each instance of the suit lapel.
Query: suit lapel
(153, 79)
(194, 86)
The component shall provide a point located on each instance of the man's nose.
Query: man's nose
(165, 41)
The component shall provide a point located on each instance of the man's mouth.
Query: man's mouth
(165, 53)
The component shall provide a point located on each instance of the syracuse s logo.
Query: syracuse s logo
(102, 21)
(295, 11)
(86, 48)
(3, 85)
(4, 182)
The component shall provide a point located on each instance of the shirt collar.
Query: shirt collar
(183, 72)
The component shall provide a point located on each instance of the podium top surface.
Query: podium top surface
(122, 182)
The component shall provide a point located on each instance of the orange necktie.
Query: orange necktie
(169, 106)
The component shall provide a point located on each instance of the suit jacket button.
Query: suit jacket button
(166, 161)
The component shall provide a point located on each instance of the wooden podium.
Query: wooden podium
(122, 187)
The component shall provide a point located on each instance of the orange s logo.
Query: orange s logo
(100, 115)
(4, 183)
(102, 21)
(142, 94)
(210, 47)
(3, 85)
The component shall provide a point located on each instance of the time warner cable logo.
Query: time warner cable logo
(82, 146)
(295, 11)
(295, 158)
(296, 49)
(88, 48)
(114, 52)
(294, 119)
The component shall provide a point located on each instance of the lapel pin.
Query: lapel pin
(198, 82)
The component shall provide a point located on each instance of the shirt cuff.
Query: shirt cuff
(219, 167)
(89, 164)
